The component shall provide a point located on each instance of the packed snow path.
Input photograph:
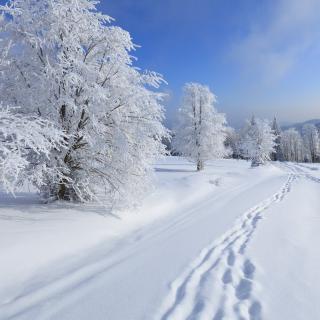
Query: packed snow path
(222, 268)
(256, 231)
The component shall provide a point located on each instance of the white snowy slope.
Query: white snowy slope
(230, 242)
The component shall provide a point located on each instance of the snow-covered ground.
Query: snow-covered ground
(230, 242)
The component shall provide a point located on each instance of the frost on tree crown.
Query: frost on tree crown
(64, 63)
(201, 131)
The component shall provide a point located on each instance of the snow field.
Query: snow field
(230, 242)
(221, 265)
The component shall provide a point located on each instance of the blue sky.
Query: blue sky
(257, 56)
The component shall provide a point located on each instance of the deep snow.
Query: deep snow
(230, 242)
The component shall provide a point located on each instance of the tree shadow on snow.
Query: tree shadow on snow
(28, 206)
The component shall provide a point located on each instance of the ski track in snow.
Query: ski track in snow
(298, 168)
(74, 278)
(219, 283)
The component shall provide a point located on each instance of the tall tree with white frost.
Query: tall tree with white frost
(277, 154)
(201, 131)
(233, 140)
(257, 141)
(311, 140)
(292, 146)
(63, 62)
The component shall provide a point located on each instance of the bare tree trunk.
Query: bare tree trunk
(199, 165)
(62, 190)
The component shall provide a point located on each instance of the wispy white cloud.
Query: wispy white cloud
(274, 46)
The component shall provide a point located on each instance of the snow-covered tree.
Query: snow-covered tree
(276, 155)
(257, 141)
(233, 143)
(200, 132)
(24, 143)
(63, 62)
(311, 140)
(292, 145)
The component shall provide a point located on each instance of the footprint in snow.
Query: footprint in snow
(255, 311)
(243, 290)
(227, 276)
(248, 269)
(231, 258)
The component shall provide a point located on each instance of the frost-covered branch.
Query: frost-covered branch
(24, 139)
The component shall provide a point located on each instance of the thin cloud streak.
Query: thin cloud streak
(271, 50)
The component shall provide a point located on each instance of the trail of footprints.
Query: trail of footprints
(219, 283)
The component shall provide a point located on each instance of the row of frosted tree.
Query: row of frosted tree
(80, 122)
(288, 145)
(201, 134)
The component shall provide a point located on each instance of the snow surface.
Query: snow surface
(230, 242)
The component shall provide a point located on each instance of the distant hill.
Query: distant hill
(298, 126)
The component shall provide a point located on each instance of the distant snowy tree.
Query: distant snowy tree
(277, 154)
(201, 131)
(24, 143)
(233, 140)
(257, 141)
(63, 62)
(292, 145)
(311, 140)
